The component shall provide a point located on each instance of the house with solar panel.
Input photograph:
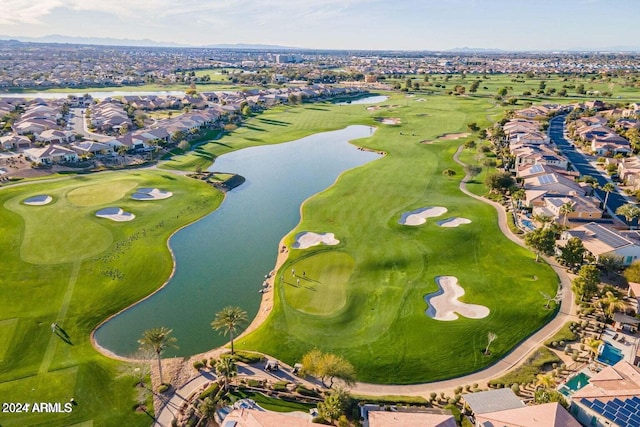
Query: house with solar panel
(612, 398)
(503, 408)
(600, 241)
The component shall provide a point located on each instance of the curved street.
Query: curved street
(584, 164)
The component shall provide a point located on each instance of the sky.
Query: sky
(337, 24)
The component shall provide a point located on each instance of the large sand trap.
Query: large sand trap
(453, 222)
(451, 136)
(307, 239)
(115, 214)
(151, 194)
(389, 120)
(40, 200)
(444, 304)
(419, 216)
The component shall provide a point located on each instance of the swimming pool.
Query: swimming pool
(574, 384)
(528, 224)
(610, 354)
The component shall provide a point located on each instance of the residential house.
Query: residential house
(611, 399)
(584, 207)
(51, 154)
(537, 188)
(405, 419)
(545, 415)
(255, 418)
(629, 171)
(55, 136)
(15, 142)
(600, 241)
(84, 148)
(610, 145)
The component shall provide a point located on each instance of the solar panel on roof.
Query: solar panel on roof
(597, 404)
(624, 410)
(635, 418)
(606, 236)
(636, 399)
(617, 402)
(537, 168)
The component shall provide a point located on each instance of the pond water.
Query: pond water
(375, 99)
(222, 259)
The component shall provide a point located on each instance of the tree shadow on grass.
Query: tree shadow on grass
(257, 129)
(274, 122)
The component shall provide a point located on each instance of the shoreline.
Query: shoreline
(108, 353)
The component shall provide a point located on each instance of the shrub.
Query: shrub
(248, 357)
(280, 386)
(164, 388)
(254, 383)
(198, 365)
(300, 389)
(212, 390)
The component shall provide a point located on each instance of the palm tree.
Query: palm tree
(565, 210)
(519, 195)
(610, 303)
(547, 381)
(157, 340)
(545, 220)
(629, 211)
(227, 369)
(593, 345)
(228, 320)
(607, 188)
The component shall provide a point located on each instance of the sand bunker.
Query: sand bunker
(151, 194)
(389, 120)
(40, 200)
(444, 304)
(419, 216)
(453, 222)
(307, 239)
(115, 214)
(451, 136)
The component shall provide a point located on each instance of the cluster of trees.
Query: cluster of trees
(157, 340)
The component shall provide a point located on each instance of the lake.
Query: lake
(375, 99)
(222, 259)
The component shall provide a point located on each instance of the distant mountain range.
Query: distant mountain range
(108, 41)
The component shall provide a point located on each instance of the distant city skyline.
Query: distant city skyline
(338, 24)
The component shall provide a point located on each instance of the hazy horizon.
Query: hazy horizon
(342, 25)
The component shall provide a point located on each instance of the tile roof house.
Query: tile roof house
(612, 397)
(546, 415)
(255, 418)
(15, 142)
(603, 241)
(409, 419)
(51, 154)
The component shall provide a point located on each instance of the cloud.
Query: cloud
(26, 11)
(31, 12)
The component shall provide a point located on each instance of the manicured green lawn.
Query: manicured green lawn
(61, 263)
(382, 327)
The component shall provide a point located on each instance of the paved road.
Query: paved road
(79, 125)
(583, 164)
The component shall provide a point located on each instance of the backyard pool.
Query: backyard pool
(574, 384)
(610, 354)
